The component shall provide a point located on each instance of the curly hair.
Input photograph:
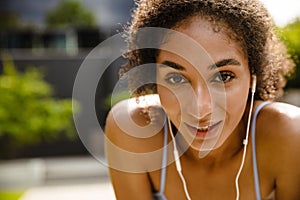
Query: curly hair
(248, 20)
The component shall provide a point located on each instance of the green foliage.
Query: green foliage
(28, 112)
(9, 20)
(290, 35)
(114, 98)
(10, 195)
(70, 13)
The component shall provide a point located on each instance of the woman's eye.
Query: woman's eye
(223, 77)
(175, 78)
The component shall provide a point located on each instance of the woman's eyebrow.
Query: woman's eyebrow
(224, 62)
(172, 65)
(221, 63)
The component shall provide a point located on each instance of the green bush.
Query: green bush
(10, 195)
(28, 110)
(70, 13)
(290, 35)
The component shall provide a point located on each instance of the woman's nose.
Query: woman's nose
(200, 102)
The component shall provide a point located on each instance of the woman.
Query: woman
(218, 69)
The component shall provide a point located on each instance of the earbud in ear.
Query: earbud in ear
(253, 88)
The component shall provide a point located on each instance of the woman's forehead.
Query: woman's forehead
(200, 42)
(202, 26)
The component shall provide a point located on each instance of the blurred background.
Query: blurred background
(42, 45)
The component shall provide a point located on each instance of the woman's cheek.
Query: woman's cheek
(169, 101)
(237, 100)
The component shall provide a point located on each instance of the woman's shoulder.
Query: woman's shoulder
(281, 119)
(279, 122)
(134, 134)
(136, 108)
(278, 134)
(135, 121)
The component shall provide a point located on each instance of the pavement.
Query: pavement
(62, 178)
(96, 191)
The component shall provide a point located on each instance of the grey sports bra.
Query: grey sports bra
(160, 194)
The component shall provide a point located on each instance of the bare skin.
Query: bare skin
(212, 176)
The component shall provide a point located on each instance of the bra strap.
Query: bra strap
(254, 160)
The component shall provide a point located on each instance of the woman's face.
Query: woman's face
(203, 91)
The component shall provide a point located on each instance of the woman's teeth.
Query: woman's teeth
(205, 128)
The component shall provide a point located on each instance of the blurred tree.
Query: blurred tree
(290, 35)
(70, 13)
(9, 20)
(28, 112)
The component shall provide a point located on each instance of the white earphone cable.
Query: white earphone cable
(245, 141)
(177, 162)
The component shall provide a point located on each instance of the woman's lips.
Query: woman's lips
(204, 132)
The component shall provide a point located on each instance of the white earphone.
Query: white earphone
(245, 143)
(177, 162)
(253, 88)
